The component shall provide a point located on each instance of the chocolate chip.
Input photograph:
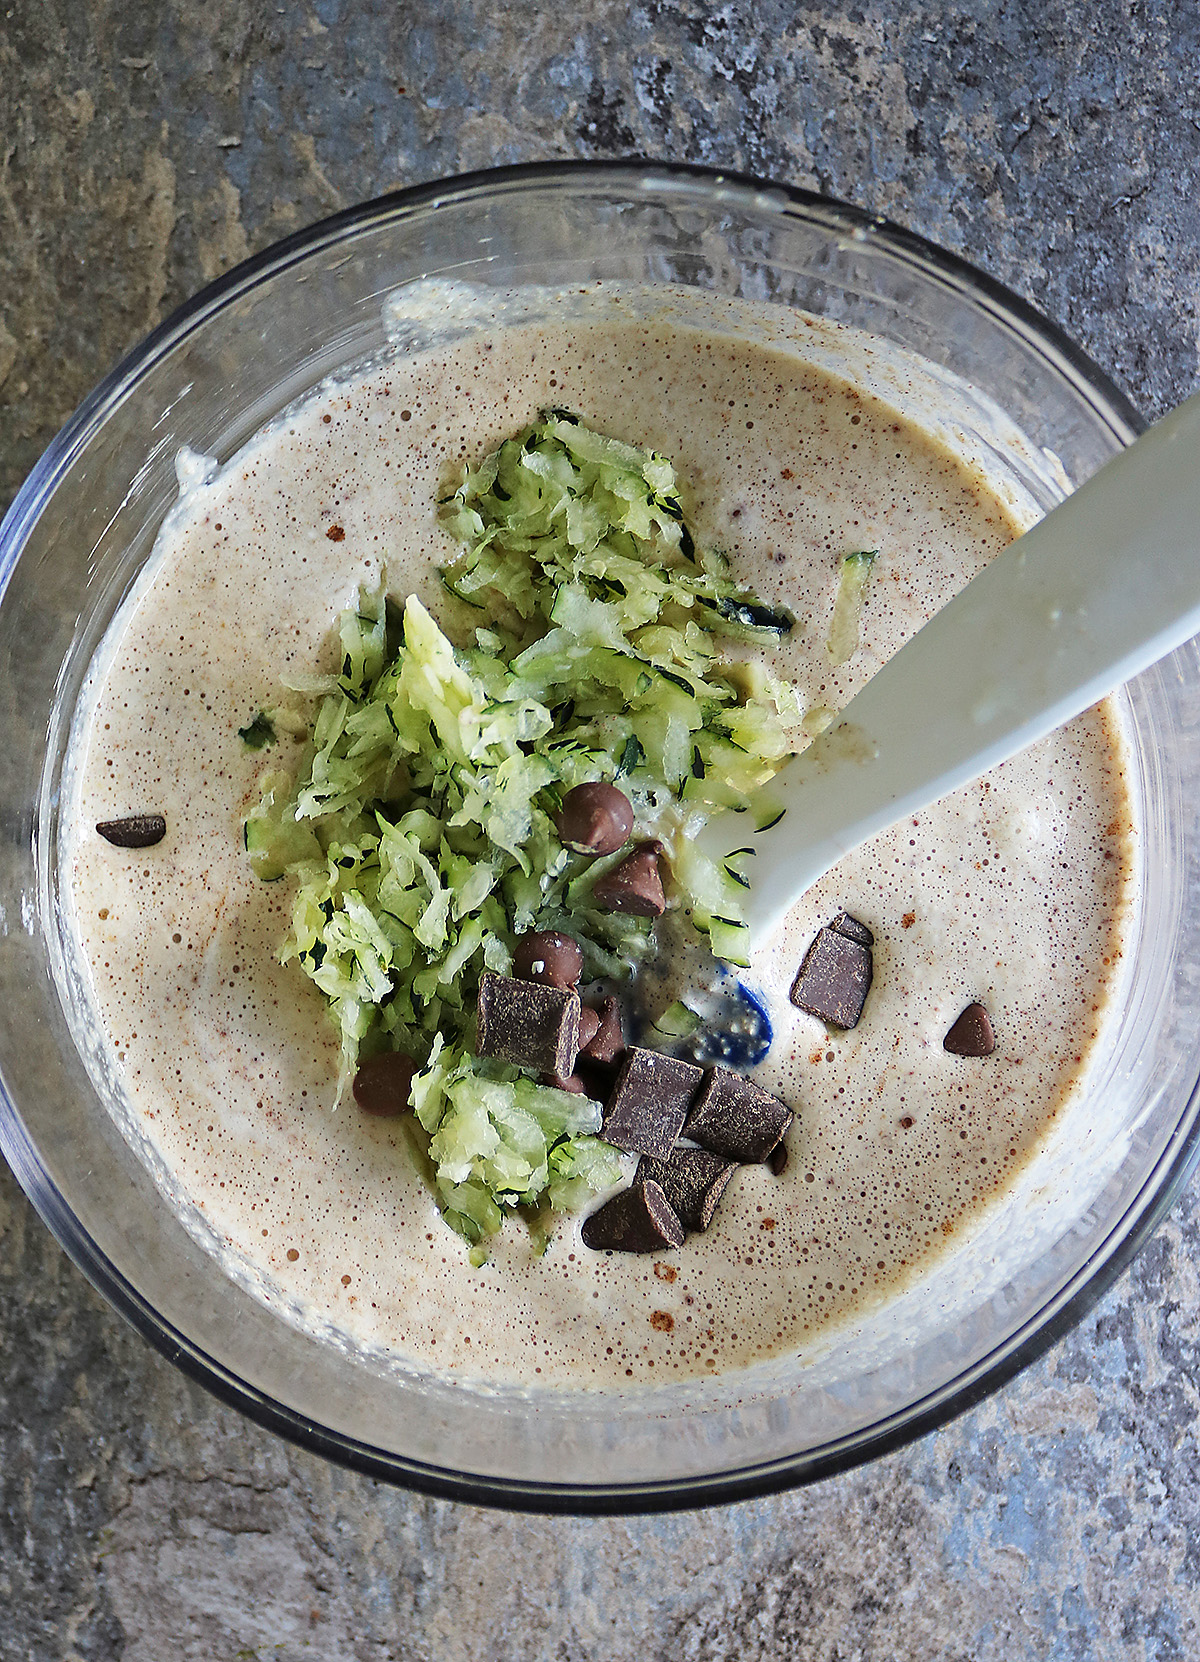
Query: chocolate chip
(633, 886)
(693, 1181)
(572, 1083)
(536, 1027)
(737, 1118)
(834, 978)
(137, 831)
(589, 1026)
(608, 1041)
(382, 1084)
(639, 1219)
(595, 818)
(971, 1034)
(778, 1158)
(852, 929)
(548, 957)
(649, 1102)
(596, 1078)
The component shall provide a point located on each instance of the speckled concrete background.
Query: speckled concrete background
(143, 149)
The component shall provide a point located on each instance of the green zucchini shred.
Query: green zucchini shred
(853, 573)
(678, 1021)
(420, 829)
(258, 732)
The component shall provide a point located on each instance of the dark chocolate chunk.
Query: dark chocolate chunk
(548, 956)
(737, 1118)
(971, 1034)
(649, 1102)
(608, 1041)
(634, 886)
(778, 1157)
(137, 831)
(852, 929)
(637, 1220)
(834, 979)
(595, 818)
(693, 1180)
(536, 1027)
(382, 1084)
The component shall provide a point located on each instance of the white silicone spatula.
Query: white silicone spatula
(1102, 587)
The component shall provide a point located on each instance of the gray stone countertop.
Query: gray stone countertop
(146, 148)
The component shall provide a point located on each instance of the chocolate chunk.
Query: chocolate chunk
(649, 1102)
(608, 1041)
(834, 978)
(524, 1022)
(693, 1181)
(778, 1158)
(137, 831)
(549, 957)
(382, 1084)
(852, 929)
(737, 1118)
(633, 886)
(637, 1220)
(971, 1034)
(595, 818)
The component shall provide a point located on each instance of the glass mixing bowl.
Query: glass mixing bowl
(1010, 386)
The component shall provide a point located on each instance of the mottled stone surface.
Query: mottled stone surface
(145, 148)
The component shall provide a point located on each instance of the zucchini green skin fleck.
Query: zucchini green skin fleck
(258, 733)
(773, 620)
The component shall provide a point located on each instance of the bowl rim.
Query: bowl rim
(1090, 1282)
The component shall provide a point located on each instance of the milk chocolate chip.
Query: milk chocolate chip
(589, 1026)
(835, 977)
(535, 1026)
(136, 831)
(572, 1083)
(382, 1084)
(608, 1041)
(597, 1080)
(634, 886)
(971, 1034)
(649, 1102)
(693, 1181)
(736, 1118)
(637, 1220)
(549, 957)
(591, 1078)
(595, 818)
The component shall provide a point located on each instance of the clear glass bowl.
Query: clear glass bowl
(69, 549)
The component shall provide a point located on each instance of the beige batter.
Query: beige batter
(1015, 891)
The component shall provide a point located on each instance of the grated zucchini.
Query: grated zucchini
(258, 732)
(421, 829)
(848, 604)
